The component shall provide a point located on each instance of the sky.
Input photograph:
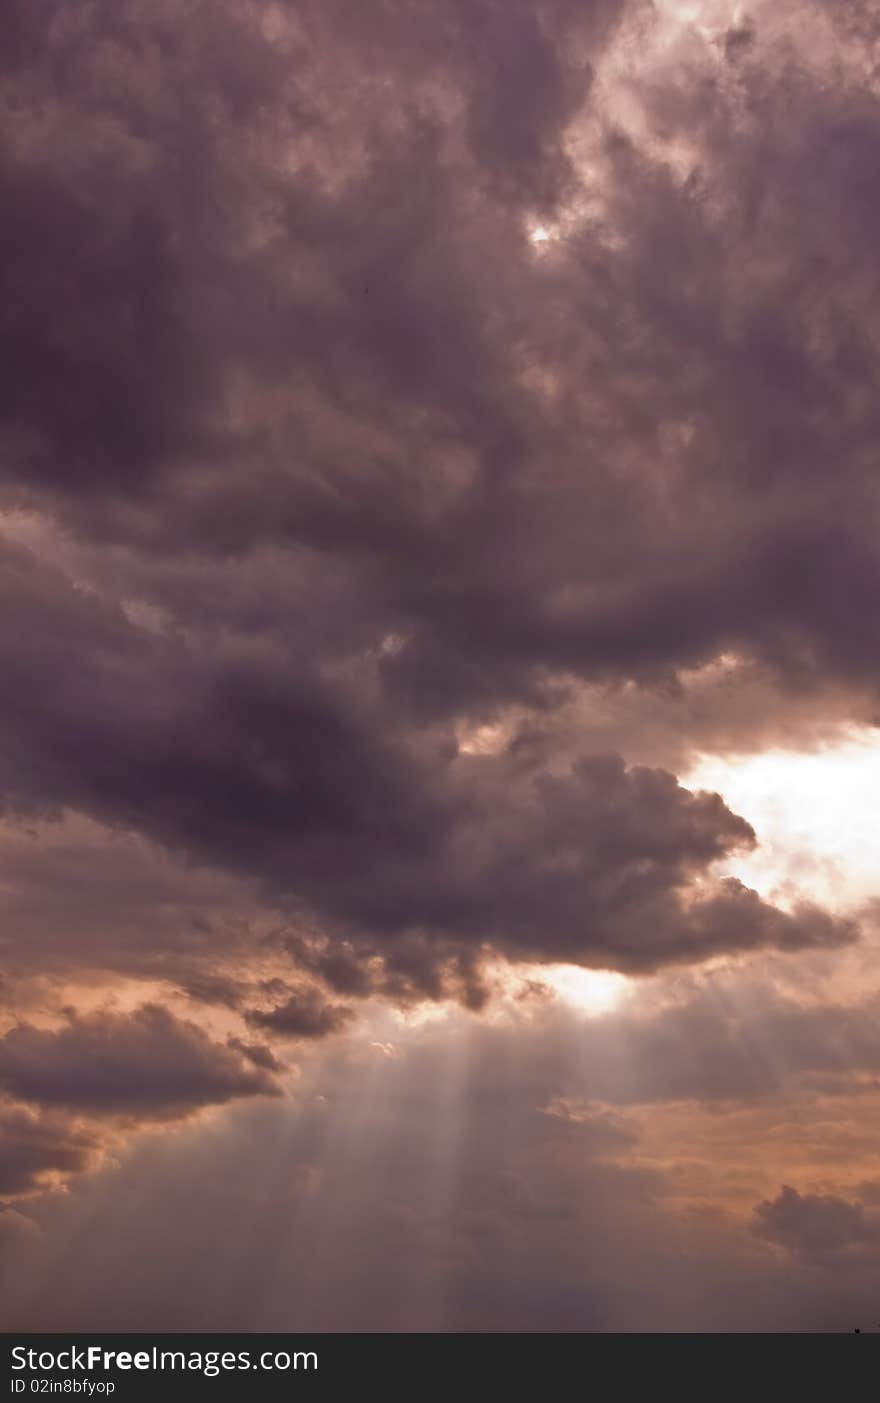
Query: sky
(438, 665)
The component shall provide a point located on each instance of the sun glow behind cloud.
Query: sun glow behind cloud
(591, 991)
(814, 814)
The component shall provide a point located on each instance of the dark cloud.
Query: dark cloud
(738, 39)
(342, 485)
(229, 755)
(423, 432)
(815, 1224)
(607, 458)
(182, 310)
(147, 1064)
(213, 989)
(257, 1053)
(304, 1015)
(38, 1149)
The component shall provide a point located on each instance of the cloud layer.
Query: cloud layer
(424, 434)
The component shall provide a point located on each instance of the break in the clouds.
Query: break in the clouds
(427, 433)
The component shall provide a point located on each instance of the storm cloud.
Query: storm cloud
(147, 1063)
(425, 433)
(342, 487)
